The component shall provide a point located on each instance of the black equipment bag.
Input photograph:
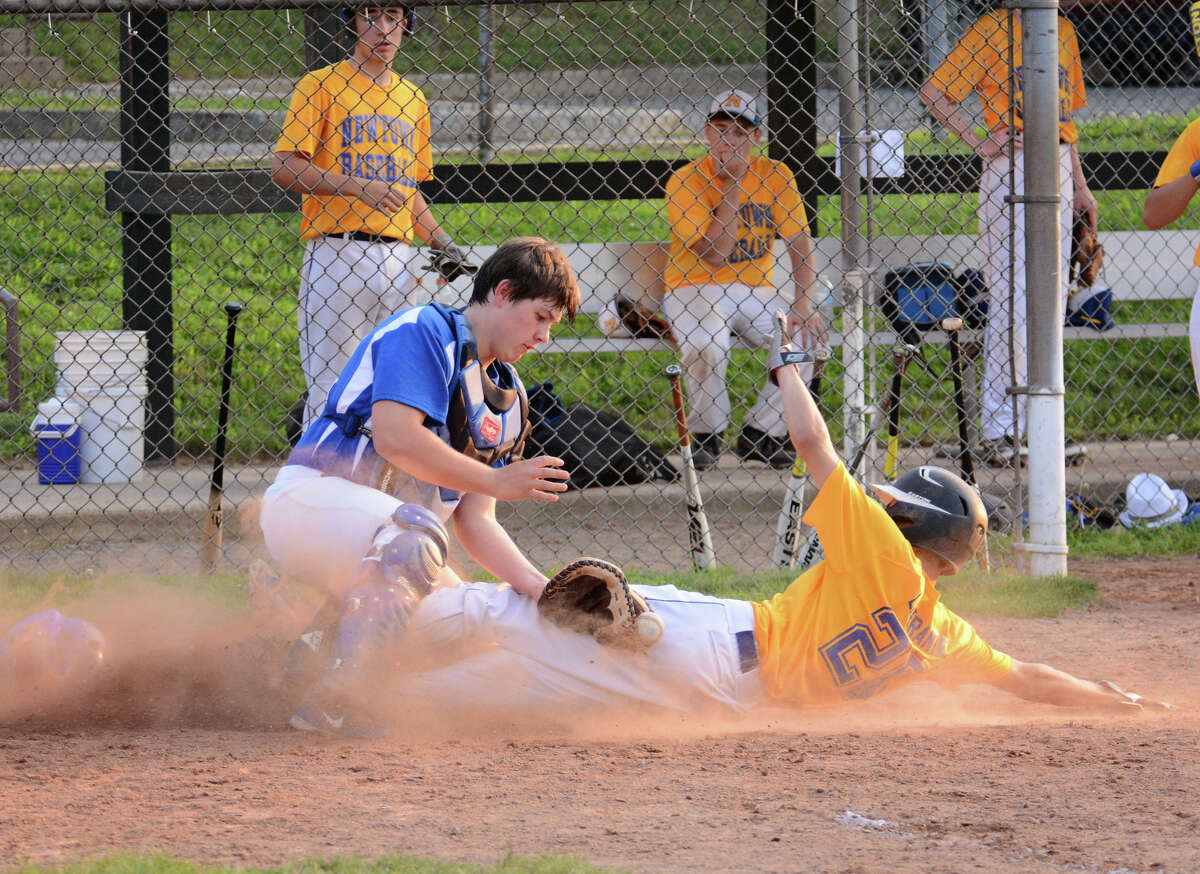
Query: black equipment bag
(599, 449)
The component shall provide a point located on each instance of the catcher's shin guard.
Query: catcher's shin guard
(401, 567)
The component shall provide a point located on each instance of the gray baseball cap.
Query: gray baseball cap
(738, 105)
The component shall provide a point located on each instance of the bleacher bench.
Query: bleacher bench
(1139, 266)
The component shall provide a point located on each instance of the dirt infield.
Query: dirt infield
(181, 753)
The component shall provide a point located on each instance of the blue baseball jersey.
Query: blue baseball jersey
(409, 358)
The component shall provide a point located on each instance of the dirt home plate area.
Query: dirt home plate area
(182, 751)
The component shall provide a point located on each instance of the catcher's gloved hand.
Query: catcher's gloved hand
(782, 353)
(451, 262)
(1131, 701)
(1087, 255)
(591, 596)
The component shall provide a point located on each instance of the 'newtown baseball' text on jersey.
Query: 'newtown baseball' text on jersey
(1178, 163)
(866, 620)
(979, 62)
(345, 121)
(770, 207)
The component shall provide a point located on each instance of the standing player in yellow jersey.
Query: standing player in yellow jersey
(1176, 185)
(987, 61)
(355, 146)
(725, 211)
(865, 621)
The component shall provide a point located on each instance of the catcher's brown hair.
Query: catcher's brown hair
(536, 269)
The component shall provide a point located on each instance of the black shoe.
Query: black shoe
(754, 445)
(706, 449)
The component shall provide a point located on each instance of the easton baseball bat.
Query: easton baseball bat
(901, 355)
(211, 552)
(699, 535)
(787, 526)
(952, 326)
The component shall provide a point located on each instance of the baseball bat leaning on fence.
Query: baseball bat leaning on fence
(787, 526)
(952, 326)
(901, 355)
(699, 535)
(211, 551)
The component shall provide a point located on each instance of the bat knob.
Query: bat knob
(952, 323)
(673, 370)
(233, 308)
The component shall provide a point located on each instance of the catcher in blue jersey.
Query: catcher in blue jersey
(424, 427)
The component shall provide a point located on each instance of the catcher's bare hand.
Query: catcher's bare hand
(384, 197)
(534, 479)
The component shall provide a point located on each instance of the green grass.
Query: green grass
(148, 864)
(1140, 542)
(973, 593)
(554, 36)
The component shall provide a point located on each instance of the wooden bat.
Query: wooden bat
(901, 355)
(952, 326)
(787, 526)
(699, 535)
(211, 549)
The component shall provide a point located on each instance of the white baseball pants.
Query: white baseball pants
(318, 528)
(705, 319)
(347, 287)
(512, 660)
(1000, 262)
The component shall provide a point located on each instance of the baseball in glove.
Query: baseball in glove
(591, 596)
(451, 262)
(1087, 255)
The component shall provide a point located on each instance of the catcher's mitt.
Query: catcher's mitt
(1087, 255)
(640, 322)
(591, 596)
(451, 262)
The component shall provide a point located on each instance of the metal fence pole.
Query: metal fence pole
(1047, 543)
(487, 97)
(850, 125)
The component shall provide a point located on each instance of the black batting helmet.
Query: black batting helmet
(937, 511)
(410, 15)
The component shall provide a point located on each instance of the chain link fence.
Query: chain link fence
(137, 196)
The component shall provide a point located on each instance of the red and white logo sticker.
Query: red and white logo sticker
(489, 429)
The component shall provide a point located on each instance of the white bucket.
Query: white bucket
(112, 423)
(91, 361)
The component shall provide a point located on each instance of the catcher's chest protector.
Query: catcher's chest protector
(488, 419)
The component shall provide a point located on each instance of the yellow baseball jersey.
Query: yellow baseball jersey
(866, 620)
(979, 62)
(343, 120)
(770, 207)
(1183, 154)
